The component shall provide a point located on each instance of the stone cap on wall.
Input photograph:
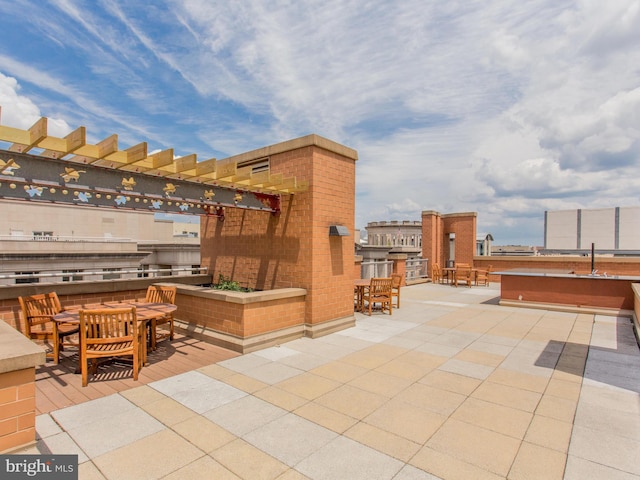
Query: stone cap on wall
(17, 352)
(296, 143)
(231, 296)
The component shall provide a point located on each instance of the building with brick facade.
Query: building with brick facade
(296, 247)
(448, 239)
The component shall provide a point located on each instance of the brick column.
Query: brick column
(293, 248)
(432, 237)
(18, 359)
(464, 227)
(399, 265)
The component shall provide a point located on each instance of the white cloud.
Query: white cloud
(507, 108)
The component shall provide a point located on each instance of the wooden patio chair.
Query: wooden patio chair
(464, 273)
(379, 292)
(482, 277)
(436, 273)
(396, 283)
(37, 322)
(160, 294)
(107, 333)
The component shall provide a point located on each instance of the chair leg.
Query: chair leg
(56, 344)
(83, 370)
(152, 334)
(136, 362)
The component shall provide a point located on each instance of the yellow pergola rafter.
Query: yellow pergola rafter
(74, 148)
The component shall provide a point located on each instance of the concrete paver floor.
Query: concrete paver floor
(450, 386)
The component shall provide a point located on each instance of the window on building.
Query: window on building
(143, 271)
(72, 278)
(110, 273)
(27, 277)
(42, 235)
(165, 270)
(195, 270)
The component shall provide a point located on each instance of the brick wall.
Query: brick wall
(580, 265)
(17, 408)
(436, 229)
(432, 238)
(294, 249)
(241, 320)
(464, 227)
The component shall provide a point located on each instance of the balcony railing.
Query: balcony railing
(373, 269)
(81, 275)
(61, 238)
(417, 268)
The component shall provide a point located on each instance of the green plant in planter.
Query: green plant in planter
(225, 283)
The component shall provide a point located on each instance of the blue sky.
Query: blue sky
(505, 108)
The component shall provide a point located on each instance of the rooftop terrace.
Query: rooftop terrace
(450, 386)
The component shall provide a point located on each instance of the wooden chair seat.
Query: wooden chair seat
(37, 322)
(464, 274)
(113, 349)
(436, 273)
(379, 291)
(482, 277)
(396, 284)
(106, 333)
(161, 294)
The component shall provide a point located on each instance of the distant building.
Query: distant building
(406, 237)
(42, 242)
(614, 231)
(406, 233)
(483, 244)
(514, 250)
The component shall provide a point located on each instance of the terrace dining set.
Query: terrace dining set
(369, 292)
(460, 273)
(104, 331)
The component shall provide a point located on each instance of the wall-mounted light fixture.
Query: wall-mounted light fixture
(338, 231)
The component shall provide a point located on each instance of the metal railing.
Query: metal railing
(61, 238)
(417, 268)
(373, 269)
(72, 276)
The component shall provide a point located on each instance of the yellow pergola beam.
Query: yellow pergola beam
(67, 145)
(226, 169)
(206, 167)
(25, 140)
(135, 159)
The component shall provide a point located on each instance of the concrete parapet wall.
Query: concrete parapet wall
(636, 310)
(579, 265)
(570, 291)
(18, 358)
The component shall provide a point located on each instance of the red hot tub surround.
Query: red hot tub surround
(567, 290)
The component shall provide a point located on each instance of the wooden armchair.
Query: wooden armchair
(379, 292)
(396, 283)
(37, 322)
(106, 333)
(436, 273)
(482, 277)
(464, 273)
(160, 294)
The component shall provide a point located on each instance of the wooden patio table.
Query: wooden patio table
(359, 285)
(145, 312)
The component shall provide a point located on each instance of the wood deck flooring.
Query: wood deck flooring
(58, 386)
